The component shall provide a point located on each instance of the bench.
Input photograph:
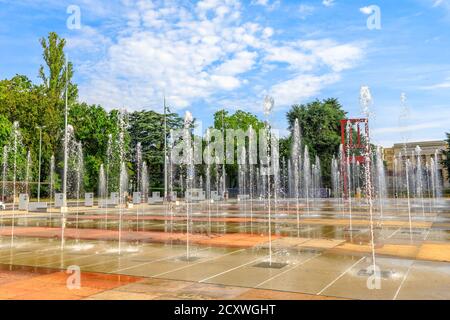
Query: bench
(107, 203)
(37, 206)
(156, 198)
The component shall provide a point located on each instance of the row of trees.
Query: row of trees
(42, 106)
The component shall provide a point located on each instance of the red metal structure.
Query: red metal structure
(354, 148)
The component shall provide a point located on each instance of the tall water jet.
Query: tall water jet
(349, 175)
(208, 180)
(4, 178)
(69, 143)
(396, 180)
(342, 169)
(419, 177)
(407, 170)
(335, 177)
(252, 160)
(437, 176)
(275, 164)
(52, 178)
(144, 180)
(28, 173)
(102, 184)
(109, 154)
(268, 106)
(403, 121)
(4, 171)
(123, 174)
(15, 143)
(429, 189)
(306, 177)
(27, 180)
(242, 171)
(123, 186)
(382, 193)
(190, 172)
(296, 159)
(79, 176)
(144, 189)
(317, 178)
(138, 166)
(365, 99)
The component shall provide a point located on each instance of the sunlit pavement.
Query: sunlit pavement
(318, 257)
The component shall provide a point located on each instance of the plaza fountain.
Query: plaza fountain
(284, 217)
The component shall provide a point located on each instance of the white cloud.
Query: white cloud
(437, 3)
(267, 3)
(312, 54)
(242, 62)
(300, 88)
(267, 32)
(305, 10)
(442, 85)
(206, 52)
(365, 10)
(337, 56)
(328, 3)
(260, 2)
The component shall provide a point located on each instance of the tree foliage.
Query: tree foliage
(223, 120)
(147, 127)
(320, 125)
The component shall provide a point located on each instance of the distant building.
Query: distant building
(428, 148)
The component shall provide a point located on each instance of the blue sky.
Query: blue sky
(205, 55)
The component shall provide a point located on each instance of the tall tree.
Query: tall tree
(5, 130)
(92, 124)
(223, 120)
(320, 125)
(56, 72)
(147, 127)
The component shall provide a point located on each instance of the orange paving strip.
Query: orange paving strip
(435, 252)
(230, 240)
(53, 286)
(303, 221)
(26, 283)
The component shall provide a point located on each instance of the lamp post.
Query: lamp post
(64, 206)
(40, 157)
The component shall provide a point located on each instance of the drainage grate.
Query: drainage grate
(190, 259)
(412, 232)
(384, 274)
(352, 230)
(141, 260)
(273, 265)
(314, 251)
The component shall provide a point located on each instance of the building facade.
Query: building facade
(429, 150)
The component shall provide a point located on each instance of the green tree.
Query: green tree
(238, 120)
(92, 125)
(5, 130)
(320, 125)
(147, 127)
(57, 72)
